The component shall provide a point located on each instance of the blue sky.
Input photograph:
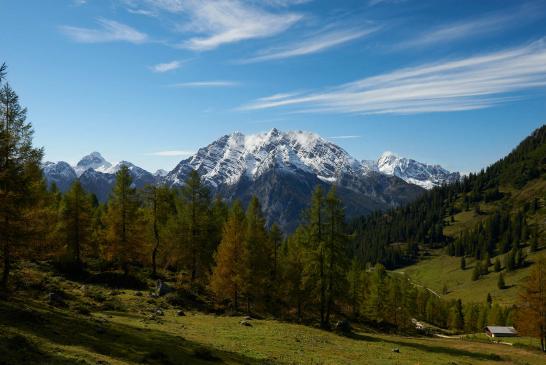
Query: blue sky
(454, 82)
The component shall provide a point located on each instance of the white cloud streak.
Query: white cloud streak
(476, 82)
(223, 22)
(471, 28)
(345, 137)
(166, 67)
(172, 153)
(206, 84)
(315, 44)
(109, 31)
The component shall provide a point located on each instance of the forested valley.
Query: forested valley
(221, 257)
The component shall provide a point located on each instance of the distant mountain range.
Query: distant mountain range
(282, 168)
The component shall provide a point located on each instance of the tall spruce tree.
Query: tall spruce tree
(197, 199)
(317, 247)
(75, 222)
(19, 173)
(123, 221)
(335, 251)
(256, 258)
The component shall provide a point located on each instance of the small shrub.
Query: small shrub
(96, 295)
(82, 309)
(113, 304)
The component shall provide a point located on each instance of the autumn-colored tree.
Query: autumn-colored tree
(123, 221)
(19, 172)
(159, 205)
(226, 279)
(531, 314)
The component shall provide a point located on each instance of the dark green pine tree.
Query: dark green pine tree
(19, 174)
(317, 247)
(276, 238)
(256, 258)
(75, 222)
(197, 199)
(123, 221)
(336, 252)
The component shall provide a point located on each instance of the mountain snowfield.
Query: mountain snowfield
(413, 172)
(229, 158)
(282, 168)
(233, 156)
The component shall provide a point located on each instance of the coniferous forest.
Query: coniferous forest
(222, 256)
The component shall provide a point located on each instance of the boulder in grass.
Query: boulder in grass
(247, 318)
(343, 326)
(180, 313)
(55, 300)
(162, 288)
(245, 323)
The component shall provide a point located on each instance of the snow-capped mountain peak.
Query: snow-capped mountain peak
(93, 161)
(161, 173)
(231, 157)
(414, 172)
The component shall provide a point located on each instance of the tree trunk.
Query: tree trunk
(322, 290)
(7, 258)
(7, 263)
(156, 236)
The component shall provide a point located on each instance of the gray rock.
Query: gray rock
(180, 313)
(245, 323)
(396, 349)
(56, 300)
(159, 312)
(162, 288)
(343, 326)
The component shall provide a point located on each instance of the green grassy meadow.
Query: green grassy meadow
(99, 326)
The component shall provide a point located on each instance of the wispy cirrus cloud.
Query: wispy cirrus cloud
(166, 67)
(345, 137)
(310, 45)
(206, 84)
(108, 31)
(172, 153)
(471, 28)
(223, 22)
(476, 82)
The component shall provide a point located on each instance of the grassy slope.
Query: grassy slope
(440, 268)
(31, 331)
